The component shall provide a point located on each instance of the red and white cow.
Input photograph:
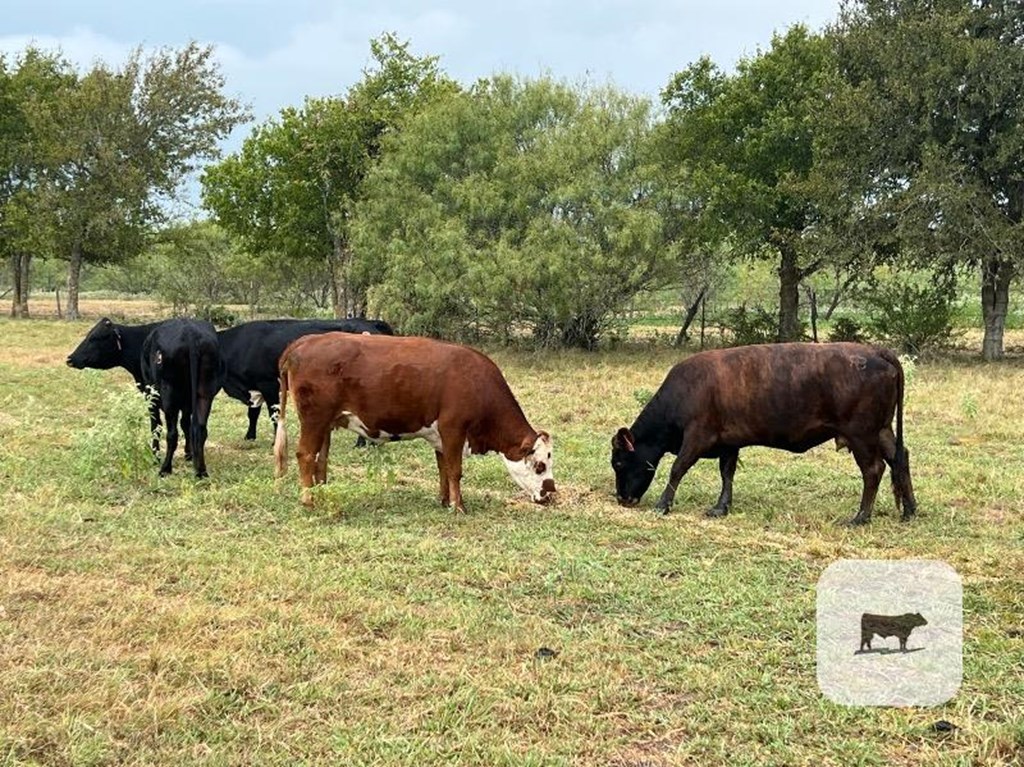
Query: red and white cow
(390, 388)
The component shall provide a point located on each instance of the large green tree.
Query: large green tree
(515, 206)
(934, 140)
(743, 145)
(118, 142)
(289, 192)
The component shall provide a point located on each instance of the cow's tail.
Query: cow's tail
(902, 487)
(193, 374)
(281, 434)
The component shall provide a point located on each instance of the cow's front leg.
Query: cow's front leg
(727, 468)
(453, 471)
(686, 458)
(444, 495)
(254, 417)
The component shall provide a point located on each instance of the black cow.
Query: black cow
(889, 625)
(251, 350)
(789, 396)
(181, 361)
(109, 345)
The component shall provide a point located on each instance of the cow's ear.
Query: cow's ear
(106, 321)
(545, 437)
(623, 440)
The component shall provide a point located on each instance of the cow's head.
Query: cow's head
(634, 468)
(917, 619)
(530, 466)
(101, 348)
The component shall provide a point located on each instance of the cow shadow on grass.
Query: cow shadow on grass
(887, 651)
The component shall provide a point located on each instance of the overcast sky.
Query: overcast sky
(274, 53)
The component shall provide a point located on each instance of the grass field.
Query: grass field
(147, 621)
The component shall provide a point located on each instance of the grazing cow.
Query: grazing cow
(889, 625)
(789, 396)
(391, 388)
(181, 362)
(109, 345)
(251, 350)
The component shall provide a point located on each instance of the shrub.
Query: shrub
(847, 329)
(117, 446)
(913, 318)
(751, 326)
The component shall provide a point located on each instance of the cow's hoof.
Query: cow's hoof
(857, 521)
(716, 511)
(165, 472)
(661, 511)
(906, 517)
(250, 437)
(202, 475)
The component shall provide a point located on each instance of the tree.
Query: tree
(744, 147)
(518, 205)
(935, 89)
(289, 192)
(29, 86)
(119, 141)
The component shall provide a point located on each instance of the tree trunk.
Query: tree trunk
(996, 275)
(338, 264)
(20, 272)
(690, 314)
(789, 294)
(74, 279)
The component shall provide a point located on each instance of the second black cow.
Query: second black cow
(181, 362)
(251, 351)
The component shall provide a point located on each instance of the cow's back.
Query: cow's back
(394, 383)
(784, 395)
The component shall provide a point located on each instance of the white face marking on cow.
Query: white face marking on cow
(534, 472)
(255, 399)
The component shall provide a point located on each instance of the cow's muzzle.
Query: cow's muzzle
(628, 502)
(547, 492)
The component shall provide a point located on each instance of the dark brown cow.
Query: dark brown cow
(390, 388)
(788, 396)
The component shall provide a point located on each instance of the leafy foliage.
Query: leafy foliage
(743, 146)
(913, 318)
(116, 448)
(520, 205)
(288, 194)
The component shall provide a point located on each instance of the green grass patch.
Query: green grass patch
(175, 621)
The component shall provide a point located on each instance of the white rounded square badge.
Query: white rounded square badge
(890, 632)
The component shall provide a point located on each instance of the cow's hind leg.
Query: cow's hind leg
(200, 432)
(899, 466)
(320, 477)
(444, 494)
(727, 468)
(186, 429)
(171, 418)
(869, 459)
(311, 440)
